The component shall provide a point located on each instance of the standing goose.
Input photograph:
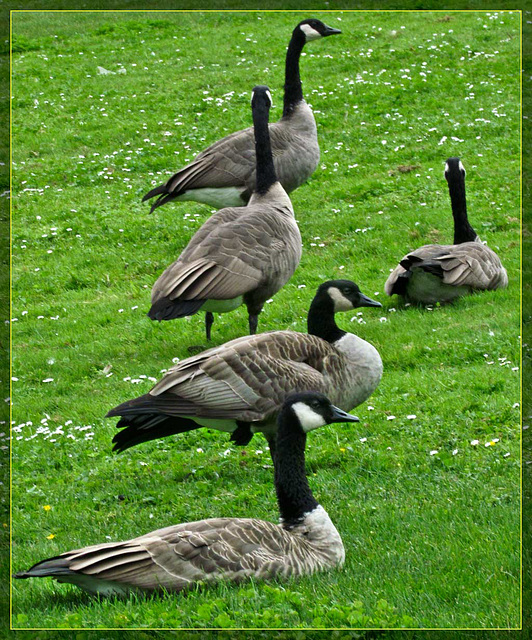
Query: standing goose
(178, 557)
(239, 387)
(440, 273)
(223, 175)
(240, 255)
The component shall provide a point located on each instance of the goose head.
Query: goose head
(261, 95)
(454, 170)
(346, 295)
(310, 410)
(313, 29)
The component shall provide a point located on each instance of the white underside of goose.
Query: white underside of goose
(429, 288)
(96, 586)
(229, 426)
(222, 306)
(217, 197)
(215, 423)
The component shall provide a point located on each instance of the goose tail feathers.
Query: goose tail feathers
(168, 309)
(57, 566)
(141, 421)
(155, 192)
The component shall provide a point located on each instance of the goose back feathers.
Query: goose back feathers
(178, 557)
(223, 175)
(441, 273)
(239, 387)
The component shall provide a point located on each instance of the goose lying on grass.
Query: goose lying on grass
(223, 175)
(178, 557)
(239, 387)
(239, 255)
(443, 272)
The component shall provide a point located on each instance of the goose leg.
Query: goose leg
(254, 307)
(242, 435)
(253, 323)
(209, 319)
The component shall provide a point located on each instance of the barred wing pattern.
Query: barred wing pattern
(177, 557)
(234, 252)
(469, 264)
(248, 378)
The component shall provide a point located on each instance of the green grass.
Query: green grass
(431, 540)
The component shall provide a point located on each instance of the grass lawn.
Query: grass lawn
(430, 521)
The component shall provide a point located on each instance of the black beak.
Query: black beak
(341, 416)
(330, 31)
(367, 302)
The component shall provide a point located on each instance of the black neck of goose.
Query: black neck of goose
(265, 170)
(463, 231)
(320, 319)
(294, 495)
(293, 92)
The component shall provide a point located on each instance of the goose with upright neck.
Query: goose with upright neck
(239, 255)
(223, 175)
(231, 549)
(441, 273)
(240, 386)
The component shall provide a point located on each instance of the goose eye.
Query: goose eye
(315, 404)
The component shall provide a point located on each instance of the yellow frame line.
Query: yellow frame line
(520, 12)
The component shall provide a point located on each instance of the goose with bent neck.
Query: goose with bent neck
(223, 175)
(231, 549)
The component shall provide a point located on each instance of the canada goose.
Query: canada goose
(239, 255)
(440, 273)
(239, 387)
(180, 556)
(223, 175)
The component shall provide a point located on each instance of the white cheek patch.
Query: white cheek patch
(308, 418)
(341, 303)
(310, 32)
(267, 93)
(461, 166)
(446, 170)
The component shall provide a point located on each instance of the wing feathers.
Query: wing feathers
(167, 309)
(188, 283)
(246, 379)
(116, 562)
(155, 192)
(469, 264)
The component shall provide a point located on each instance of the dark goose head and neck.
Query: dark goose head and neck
(304, 32)
(455, 176)
(333, 296)
(301, 412)
(261, 102)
